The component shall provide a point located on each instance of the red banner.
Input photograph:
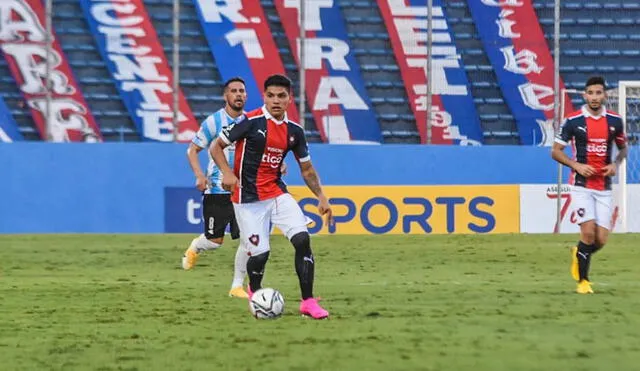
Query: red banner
(23, 42)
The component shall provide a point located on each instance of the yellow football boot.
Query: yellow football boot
(584, 287)
(575, 271)
(238, 292)
(190, 257)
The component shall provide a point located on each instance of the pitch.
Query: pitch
(503, 302)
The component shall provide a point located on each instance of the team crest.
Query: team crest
(292, 139)
(581, 212)
(611, 128)
(254, 239)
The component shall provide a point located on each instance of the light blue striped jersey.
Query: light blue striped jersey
(209, 131)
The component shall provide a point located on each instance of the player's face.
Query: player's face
(594, 95)
(277, 98)
(235, 96)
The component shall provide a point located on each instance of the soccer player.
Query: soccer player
(217, 207)
(593, 130)
(262, 139)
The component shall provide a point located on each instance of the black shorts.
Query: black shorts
(217, 214)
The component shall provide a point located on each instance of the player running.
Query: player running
(217, 207)
(262, 140)
(593, 130)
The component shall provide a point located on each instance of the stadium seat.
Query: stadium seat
(598, 36)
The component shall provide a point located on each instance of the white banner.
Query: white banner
(538, 209)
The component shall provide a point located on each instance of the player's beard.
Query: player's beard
(237, 106)
(595, 105)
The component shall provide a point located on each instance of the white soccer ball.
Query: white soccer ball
(266, 303)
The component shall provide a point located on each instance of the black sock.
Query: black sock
(584, 259)
(597, 247)
(255, 270)
(304, 263)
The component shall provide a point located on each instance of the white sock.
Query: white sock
(201, 244)
(240, 266)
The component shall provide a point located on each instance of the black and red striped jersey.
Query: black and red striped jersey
(262, 143)
(592, 138)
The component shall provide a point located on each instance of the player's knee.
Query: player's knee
(600, 241)
(257, 262)
(301, 241)
(588, 237)
(217, 240)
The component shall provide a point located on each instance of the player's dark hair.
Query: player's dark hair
(595, 80)
(234, 79)
(278, 80)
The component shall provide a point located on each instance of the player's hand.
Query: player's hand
(325, 209)
(609, 170)
(283, 168)
(585, 170)
(202, 182)
(229, 182)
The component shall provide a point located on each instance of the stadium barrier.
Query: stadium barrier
(148, 188)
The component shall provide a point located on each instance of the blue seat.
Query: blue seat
(373, 51)
(489, 117)
(200, 82)
(368, 35)
(357, 19)
(396, 117)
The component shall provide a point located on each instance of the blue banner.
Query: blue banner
(241, 43)
(335, 89)
(8, 127)
(130, 48)
(518, 51)
(182, 210)
(455, 120)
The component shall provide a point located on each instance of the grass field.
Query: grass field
(103, 302)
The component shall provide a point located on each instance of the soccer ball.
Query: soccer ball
(266, 303)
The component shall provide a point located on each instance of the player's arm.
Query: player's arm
(310, 176)
(194, 162)
(200, 142)
(623, 150)
(227, 136)
(229, 179)
(622, 154)
(557, 151)
(312, 180)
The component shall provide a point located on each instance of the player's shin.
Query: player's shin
(304, 263)
(201, 243)
(255, 270)
(240, 266)
(584, 259)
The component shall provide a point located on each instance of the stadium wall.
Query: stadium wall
(148, 188)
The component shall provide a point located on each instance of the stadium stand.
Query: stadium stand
(597, 36)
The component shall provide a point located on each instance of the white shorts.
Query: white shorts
(590, 204)
(255, 219)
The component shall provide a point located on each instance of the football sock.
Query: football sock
(203, 244)
(304, 263)
(584, 259)
(255, 269)
(597, 247)
(240, 266)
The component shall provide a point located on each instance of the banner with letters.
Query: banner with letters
(23, 43)
(455, 120)
(335, 89)
(538, 206)
(515, 44)
(381, 209)
(414, 209)
(8, 127)
(134, 56)
(242, 45)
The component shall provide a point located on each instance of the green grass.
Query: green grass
(102, 302)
